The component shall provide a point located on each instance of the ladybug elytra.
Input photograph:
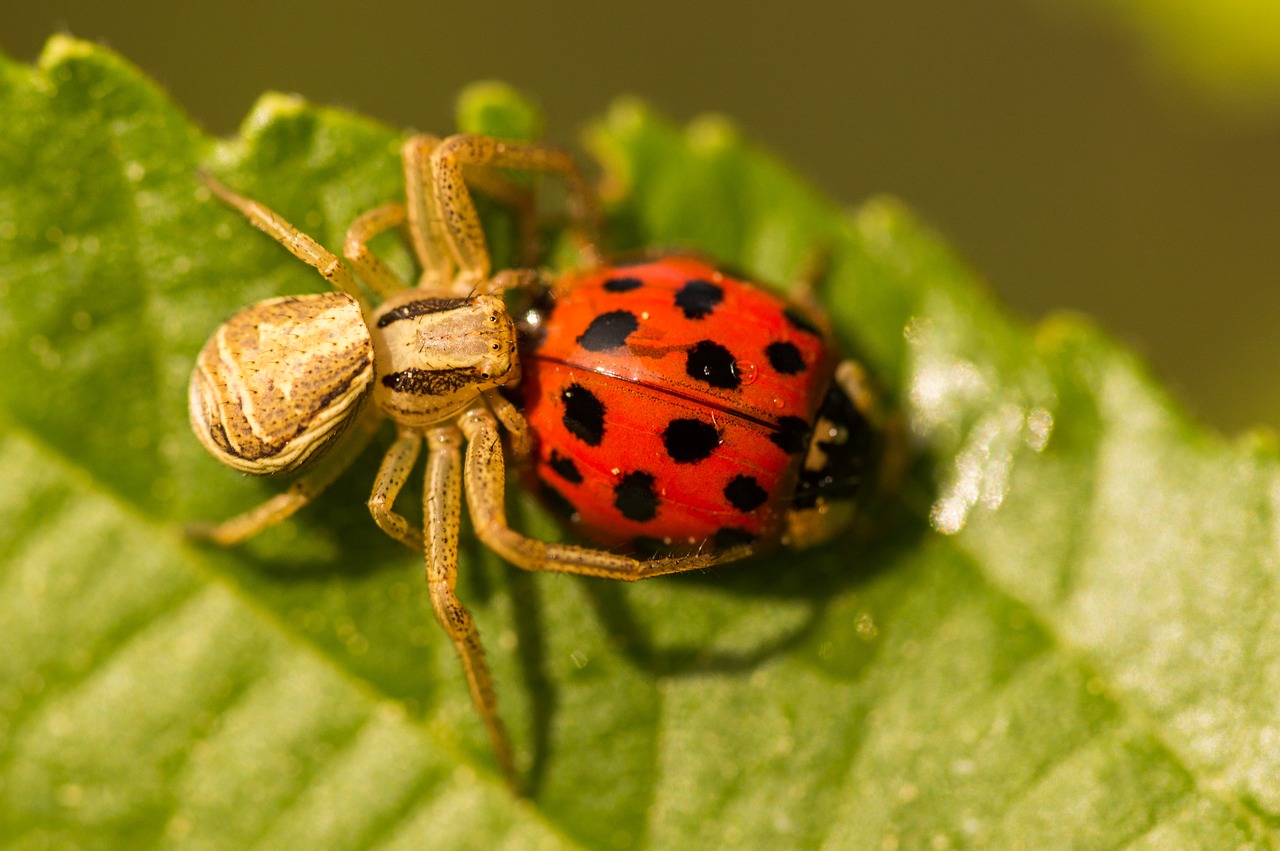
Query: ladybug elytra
(675, 406)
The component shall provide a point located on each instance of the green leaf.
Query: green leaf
(1228, 50)
(1063, 637)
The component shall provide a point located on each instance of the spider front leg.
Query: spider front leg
(380, 277)
(486, 498)
(513, 421)
(426, 227)
(299, 244)
(461, 225)
(442, 503)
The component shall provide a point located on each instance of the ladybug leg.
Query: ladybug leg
(299, 244)
(855, 382)
(442, 502)
(463, 231)
(303, 490)
(486, 496)
(395, 469)
(894, 455)
(380, 277)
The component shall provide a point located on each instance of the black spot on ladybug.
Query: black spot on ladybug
(728, 537)
(635, 497)
(689, 441)
(583, 414)
(608, 331)
(556, 502)
(785, 358)
(792, 435)
(799, 320)
(622, 285)
(565, 468)
(711, 362)
(745, 494)
(697, 298)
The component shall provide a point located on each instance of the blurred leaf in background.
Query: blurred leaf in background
(1063, 638)
(1030, 137)
(1228, 50)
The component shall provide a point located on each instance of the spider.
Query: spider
(284, 385)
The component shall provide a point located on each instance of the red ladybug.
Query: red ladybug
(675, 407)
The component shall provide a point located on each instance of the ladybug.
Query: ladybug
(677, 407)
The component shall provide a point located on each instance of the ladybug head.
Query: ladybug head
(837, 466)
(531, 307)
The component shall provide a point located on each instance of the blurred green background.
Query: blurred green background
(1116, 157)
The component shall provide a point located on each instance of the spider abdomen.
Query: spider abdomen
(263, 419)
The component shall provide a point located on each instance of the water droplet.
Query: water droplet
(748, 372)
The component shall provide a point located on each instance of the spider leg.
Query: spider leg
(380, 277)
(426, 227)
(299, 244)
(486, 495)
(514, 422)
(395, 469)
(442, 504)
(303, 490)
(460, 224)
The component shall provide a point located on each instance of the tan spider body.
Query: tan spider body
(258, 419)
(285, 385)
